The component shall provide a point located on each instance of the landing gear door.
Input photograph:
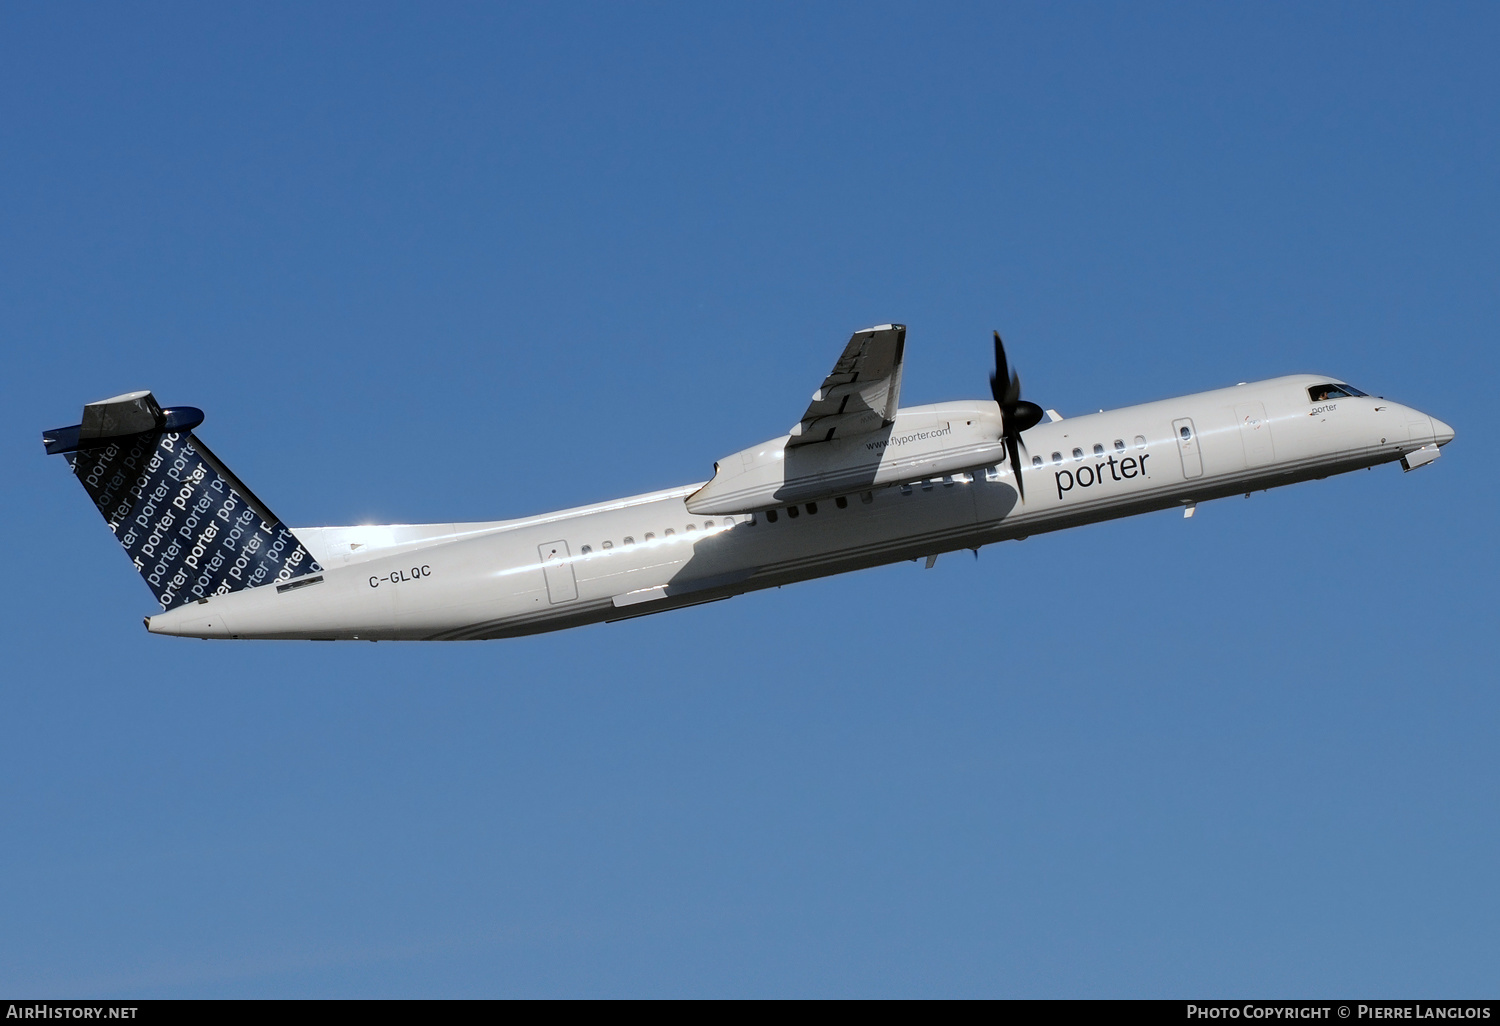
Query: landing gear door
(1187, 447)
(558, 569)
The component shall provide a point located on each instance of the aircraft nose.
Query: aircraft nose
(1443, 432)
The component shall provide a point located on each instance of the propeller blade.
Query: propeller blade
(1005, 384)
(1002, 368)
(1012, 446)
(1016, 414)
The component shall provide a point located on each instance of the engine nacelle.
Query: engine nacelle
(922, 442)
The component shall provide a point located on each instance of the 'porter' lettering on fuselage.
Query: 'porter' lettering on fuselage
(1088, 476)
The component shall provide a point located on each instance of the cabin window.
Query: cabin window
(1036, 461)
(1098, 449)
(793, 512)
(1186, 432)
(708, 525)
(608, 545)
(729, 521)
(866, 497)
(1140, 441)
(841, 502)
(1119, 445)
(812, 507)
(770, 516)
(690, 527)
(1077, 453)
(649, 537)
(1056, 458)
(585, 551)
(629, 540)
(666, 534)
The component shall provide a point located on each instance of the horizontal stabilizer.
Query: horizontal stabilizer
(130, 414)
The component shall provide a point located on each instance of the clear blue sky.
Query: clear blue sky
(438, 262)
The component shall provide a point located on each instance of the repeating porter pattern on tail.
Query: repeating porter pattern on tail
(191, 528)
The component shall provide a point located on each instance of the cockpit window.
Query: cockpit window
(1323, 393)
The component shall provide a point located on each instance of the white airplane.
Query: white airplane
(857, 482)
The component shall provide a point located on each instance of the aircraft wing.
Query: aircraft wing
(862, 391)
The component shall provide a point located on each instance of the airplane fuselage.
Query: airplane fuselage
(649, 553)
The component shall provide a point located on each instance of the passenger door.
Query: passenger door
(1187, 447)
(558, 569)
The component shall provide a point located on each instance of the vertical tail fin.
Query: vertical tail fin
(190, 526)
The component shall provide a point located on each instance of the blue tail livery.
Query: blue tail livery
(190, 526)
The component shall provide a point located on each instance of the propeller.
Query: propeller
(1016, 414)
